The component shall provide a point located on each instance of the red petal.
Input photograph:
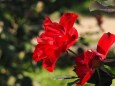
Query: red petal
(45, 39)
(82, 63)
(89, 55)
(52, 28)
(38, 53)
(73, 38)
(80, 59)
(52, 56)
(85, 58)
(48, 64)
(85, 78)
(47, 22)
(83, 68)
(105, 43)
(67, 20)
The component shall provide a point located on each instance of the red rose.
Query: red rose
(56, 38)
(90, 60)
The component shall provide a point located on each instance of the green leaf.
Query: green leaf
(102, 77)
(102, 6)
(107, 2)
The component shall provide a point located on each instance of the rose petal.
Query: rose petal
(105, 43)
(52, 28)
(73, 37)
(38, 53)
(85, 78)
(49, 64)
(67, 20)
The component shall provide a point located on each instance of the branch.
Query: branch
(72, 52)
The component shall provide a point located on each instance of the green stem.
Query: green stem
(74, 82)
(72, 52)
(113, 77)
(100, 84)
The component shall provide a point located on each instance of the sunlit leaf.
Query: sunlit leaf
(107, 2)
(102, 6)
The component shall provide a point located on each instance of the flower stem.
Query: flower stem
(113, 77)
(109, 60)
(72, 52)
(100, 84)
(74, 82)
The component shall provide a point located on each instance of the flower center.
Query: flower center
(96, 63)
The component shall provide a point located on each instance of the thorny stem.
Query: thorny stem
(72, 52)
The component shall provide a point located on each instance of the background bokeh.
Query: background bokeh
(21, 21)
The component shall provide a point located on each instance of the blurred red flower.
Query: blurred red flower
(56, 38)
(90, 60)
